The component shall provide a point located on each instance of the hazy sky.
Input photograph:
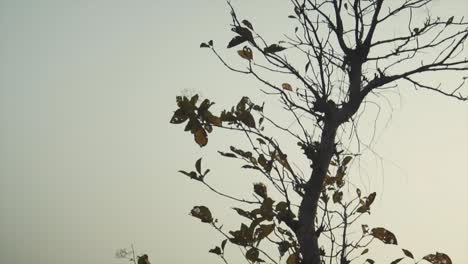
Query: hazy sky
(88, 159)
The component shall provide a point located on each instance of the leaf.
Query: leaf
(201, 137)
(449, 21)
(384, 235)
(396, 261)
(307, 66)
(261, 190)
(337, 197)
(216, 251)
(247, 166)
(247, 24)
(273, 48)
(407, 253)
(346, 160)
(242, 237)
(192, 174)
(236, 41)
(365, 251)
(264, 231)
(365, 207)
(244, 32)
(371, 261)
(204, 45)
(365, 229)
(266, 209)
(243, 213)
(240, 152)
(210, 42)
(246, 53)
(227, 154)
(283, 212)
(252, 255)
(246, 118)
(213, 119)
(438, 258)
(262, 160)
(281, 206)
(292, 259)
(291, 16)
(208, 128)
(223, 244)
(198, 165)
(287, 86)
(180, 116)
(371, 198)
(241, 105)
(203, 213)
(283, 247)
(204, 106)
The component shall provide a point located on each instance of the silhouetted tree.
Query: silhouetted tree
(129, 254)
(342, 54)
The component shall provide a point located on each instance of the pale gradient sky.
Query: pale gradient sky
(88, 159)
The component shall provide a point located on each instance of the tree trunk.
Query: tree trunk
(307, 237)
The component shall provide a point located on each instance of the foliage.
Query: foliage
(315, 219)
(129, 254)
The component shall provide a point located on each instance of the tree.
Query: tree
(129, 254)
(341, 58)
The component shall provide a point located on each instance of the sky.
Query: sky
(89, 161)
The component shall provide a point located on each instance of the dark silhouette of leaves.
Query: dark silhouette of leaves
(396, 261)
(216, 250)
(227, 154)
(347, 52)
(236, 41)
(201, 137)
(143, 259)
(266, 209)
(292, 259)
(384, 235)
(273, 48)
(242, 237)
(192, 174)
(438, 258)
(247, 24)
(408, 253)
(346, 160)
(287, 86)
(366, 203)
(244, 32)
(260, 189)
(223, 244)
(246, 53)
(198, 165)
(263, 231)
(252, 255)
(179, 117)
(449, 21)
(203, 213)
(337, 197)
(243, 213)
